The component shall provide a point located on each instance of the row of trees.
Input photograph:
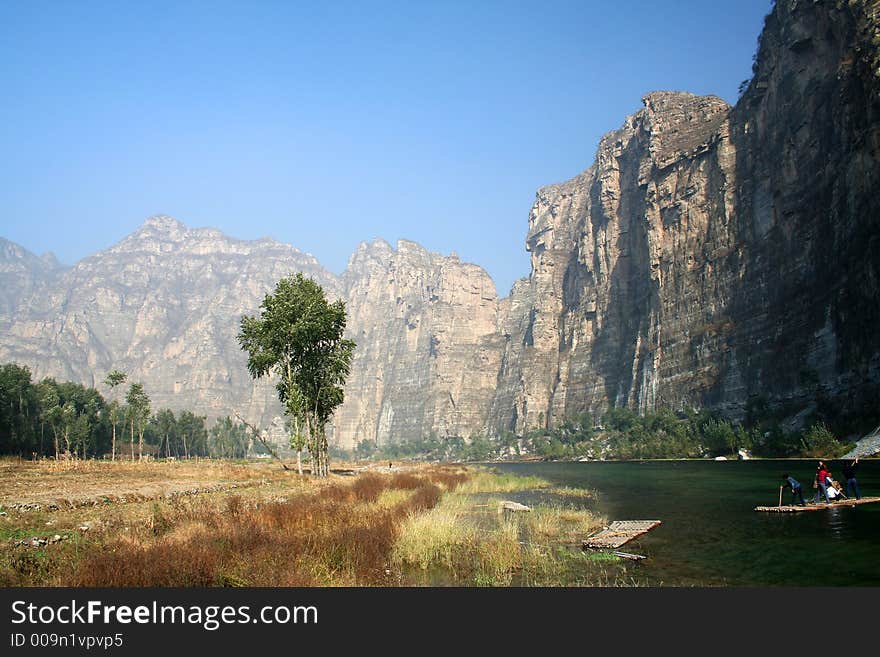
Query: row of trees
(69, 420)
(623, 434)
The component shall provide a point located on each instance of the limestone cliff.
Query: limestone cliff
(713, 255)
(428, 349)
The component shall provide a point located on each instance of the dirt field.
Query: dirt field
(51, 485)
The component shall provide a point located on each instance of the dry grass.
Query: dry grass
(287, 531)
(336, 536)
(484, 481)
(67, 484)
(402, 527)
(467, 542)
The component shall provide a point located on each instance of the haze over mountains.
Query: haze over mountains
(711, 256)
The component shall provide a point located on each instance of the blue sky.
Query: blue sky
(329, 123)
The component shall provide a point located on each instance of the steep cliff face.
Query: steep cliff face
(428, 350)
(807, 135)
(711, 254)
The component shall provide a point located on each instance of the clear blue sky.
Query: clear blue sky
(328, 123)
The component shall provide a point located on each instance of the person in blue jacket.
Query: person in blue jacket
(796, 490)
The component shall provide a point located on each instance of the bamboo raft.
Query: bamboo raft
(618, 533)
(810, 506)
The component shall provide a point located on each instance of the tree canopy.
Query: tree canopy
(298, 337)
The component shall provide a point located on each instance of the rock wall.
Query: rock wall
(428, 347)
(715, 255)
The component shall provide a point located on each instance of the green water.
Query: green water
(712, 536)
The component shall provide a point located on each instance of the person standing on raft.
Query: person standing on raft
(796, 489)
(821, 485)
(849, 476)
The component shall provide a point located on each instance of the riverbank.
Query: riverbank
(213, 523)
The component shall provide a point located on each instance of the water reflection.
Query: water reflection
(835, 522)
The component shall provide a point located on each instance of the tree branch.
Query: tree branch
(258, 433)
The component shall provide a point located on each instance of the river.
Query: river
(712, 536)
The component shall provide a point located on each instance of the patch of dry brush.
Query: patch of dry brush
(339, 535)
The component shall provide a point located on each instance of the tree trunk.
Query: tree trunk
(113, 444)
(140, 445)
(185, 449)
(299, 465)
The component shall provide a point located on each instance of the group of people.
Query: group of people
(825, 485)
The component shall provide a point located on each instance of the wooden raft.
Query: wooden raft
(793, 508)
(619, 532)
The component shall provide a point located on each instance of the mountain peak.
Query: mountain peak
(164, 222)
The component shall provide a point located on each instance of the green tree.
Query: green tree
(228, 440)
(116, 412)
(50, 409)
(165, 425)
(138, 415)
(819, 442)
(718, 437)
(193, 432)
(19, 410)
(299, 337)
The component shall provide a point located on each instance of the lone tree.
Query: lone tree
(114, 379)
(138, 415)
(299, 337)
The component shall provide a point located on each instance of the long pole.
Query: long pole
(780, 496)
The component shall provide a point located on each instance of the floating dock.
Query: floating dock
(618, 533)
(794, 508)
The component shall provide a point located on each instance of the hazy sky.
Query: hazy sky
(328, 123)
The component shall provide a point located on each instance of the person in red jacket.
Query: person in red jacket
(821, 487)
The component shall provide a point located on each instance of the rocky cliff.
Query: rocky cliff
(711, 256)
(162, 305)
(428, 349)
(716, 255)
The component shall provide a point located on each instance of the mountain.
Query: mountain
(711, 256)
(22, 273)
(162, 305)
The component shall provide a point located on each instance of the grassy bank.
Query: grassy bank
(218, 524)
(469, 538)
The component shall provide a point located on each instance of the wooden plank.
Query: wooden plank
(627, 555)
(795, 508)
(619, 532)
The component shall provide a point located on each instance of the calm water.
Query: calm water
(711, 535)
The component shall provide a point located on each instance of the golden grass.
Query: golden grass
(561, 523)
(474, 545)
(570, 491)
(484, 481)
(425, 525)
(67, 484)
(435, 538)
